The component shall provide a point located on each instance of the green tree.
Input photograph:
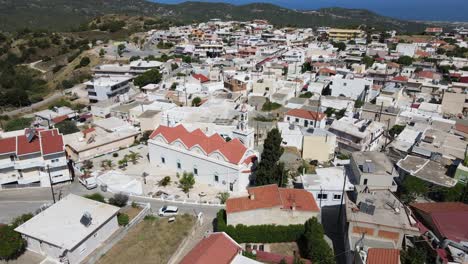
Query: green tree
(368, 61)
(84, 61)
(18, 124)
(413, 255)
(67, 127)
(396, 130)
(107, 164)
(270, 170)
(12, 245)
(313, 245)
(122, 219)
(186, 182)
(223, 197)
(307, 66)
(151, 76)
(196, 101)
(166, 181)
(405, 60)
(119, 199)
(102, 52)
(341, 46)
(120, 49)
(412, 188)
(21, 220)
(133, 157)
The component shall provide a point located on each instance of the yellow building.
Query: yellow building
(319, 145)
(338, 34)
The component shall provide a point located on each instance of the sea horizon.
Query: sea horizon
(427, 10)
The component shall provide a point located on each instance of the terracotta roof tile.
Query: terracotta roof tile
(24, 147)
(202, 78)
(7, 145)
(218, 248)
(306, 114)
(51, 141)
(383, 256)
(269, 196)
(59, 119)
(233, 150)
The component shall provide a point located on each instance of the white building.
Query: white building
(103, 88)
(27, 159)
(406, 49)
(327, 185)
(71, 229)
(212, 160)
(357, 135)
(305, 118)
(348, 86)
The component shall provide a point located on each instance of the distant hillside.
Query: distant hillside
(65, 14)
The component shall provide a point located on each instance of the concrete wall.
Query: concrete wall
(81, 251)
(207, 167)
(319, 148)
(377, 233)
(268, 216)
(94, 241)
(376, 181)
(83, 155)
(301, 122)
(150, 123)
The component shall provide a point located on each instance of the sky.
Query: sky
(443, 10)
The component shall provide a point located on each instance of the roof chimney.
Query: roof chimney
(252, 196)
(293, 206)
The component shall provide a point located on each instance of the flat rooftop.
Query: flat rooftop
(60, 224)
(381, 164)
(388, 210)
(327, 179)
(427, 170)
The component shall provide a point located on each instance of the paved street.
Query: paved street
(19, 201)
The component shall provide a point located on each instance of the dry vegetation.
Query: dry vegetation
(151, 241)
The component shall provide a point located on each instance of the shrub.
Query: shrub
(134, 205)
(259, 233)
(12, 245)
(21, 219)
(96, 197)
(18, 124)
(119, 199)
(164, 181)
(270, 106)
(150, 217)
(223, 196)
(313, 245)
(122, 219)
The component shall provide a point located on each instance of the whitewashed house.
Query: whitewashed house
(327, 185)
(27, 159)
(71, 229)
(211, 159)
(305, 118)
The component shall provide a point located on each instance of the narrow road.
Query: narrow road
(15, 202)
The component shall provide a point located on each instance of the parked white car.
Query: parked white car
(168, 211)
(88, 181)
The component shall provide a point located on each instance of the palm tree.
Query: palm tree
(123, 162)
(133, 156)
(107, 164)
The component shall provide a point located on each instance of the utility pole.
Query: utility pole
(51, 186)
(342, 196)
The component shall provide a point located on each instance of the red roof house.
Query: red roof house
(284, 205)
(447, 220)
(217, 248)
(202, 78)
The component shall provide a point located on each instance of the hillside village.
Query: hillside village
(241, 142)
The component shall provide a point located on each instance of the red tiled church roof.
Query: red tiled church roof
(233, 150)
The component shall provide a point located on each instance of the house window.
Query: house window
(231, 186)
(179, 166)
(322, 196)
(195, 171)
(297, 120)
(288, 118)
(365, 181)
(216, 178)
(306, 123)
(163, 160)
(336, 196)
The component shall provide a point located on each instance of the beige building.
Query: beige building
(96, 141)
(270, 204)
(374, 170)
(377, 219)
(149, 120)
(319, 144)
(339, 34)
(455, 103)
